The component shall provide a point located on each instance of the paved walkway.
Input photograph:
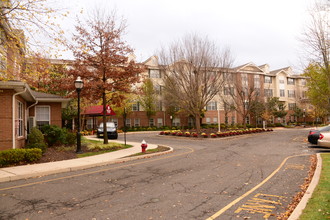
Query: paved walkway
(36, 170)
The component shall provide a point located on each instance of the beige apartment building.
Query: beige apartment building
(283, 83)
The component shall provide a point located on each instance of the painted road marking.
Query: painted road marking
(221, 211)
(264, 205)
(295, 167)
(99, 171)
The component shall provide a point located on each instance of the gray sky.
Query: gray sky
(258, 31)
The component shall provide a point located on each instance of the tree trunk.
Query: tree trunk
(198, 123)
(105, 132)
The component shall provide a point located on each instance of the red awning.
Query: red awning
(97, 110)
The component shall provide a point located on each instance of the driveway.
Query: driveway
(246, 177)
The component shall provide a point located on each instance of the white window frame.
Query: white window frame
(268, 79)
(282, 92)
(20, 119)
(37, 115)
(136, 107)
(151, 122)
(128, 122)
(211, 106)
(159, 122)
(136, 122)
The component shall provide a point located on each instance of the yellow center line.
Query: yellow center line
(221, 211)
(99, 171)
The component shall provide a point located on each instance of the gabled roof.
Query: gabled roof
(286, 70)
(97, 110)
(241, 67)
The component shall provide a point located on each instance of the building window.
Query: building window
(136, 122)
(42, 115)
(159, 122)
(256, 81)
(292, 106)
(19, 121)
(291, 93)
(128, 122)
(154, 73)
(176, 122)
(151, 122)
(211, 106)
(244, 80)
(247, 120)
(281, 81)
(228, 77)
(233, 120)
(136, 107)
(215, 120)
(290, 81)
(228, 90)
(282, 93)
(158, 89)
(303, 82)
(268, 92)
(208, 121)
(268, 79)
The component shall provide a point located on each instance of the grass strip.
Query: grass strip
(318, 207)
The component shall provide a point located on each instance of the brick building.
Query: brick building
(21, 109)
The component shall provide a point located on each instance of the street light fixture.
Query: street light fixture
(79, 84)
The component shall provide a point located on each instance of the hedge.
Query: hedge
(16, 156)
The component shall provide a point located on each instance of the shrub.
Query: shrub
(36, 140)
(41, 146)
(71, 138)
(35, 136)
(54, 135)
(15, 156)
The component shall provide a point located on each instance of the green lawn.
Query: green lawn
(318, 206)
(99, 148)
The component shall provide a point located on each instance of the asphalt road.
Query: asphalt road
(242, 177)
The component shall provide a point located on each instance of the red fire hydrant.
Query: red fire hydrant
(144, 146)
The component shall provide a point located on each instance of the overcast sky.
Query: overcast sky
(258, 31)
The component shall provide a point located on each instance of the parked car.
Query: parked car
(324, 140)
(314, 134)
(111, 130)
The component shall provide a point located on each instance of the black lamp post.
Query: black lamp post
(79, 84)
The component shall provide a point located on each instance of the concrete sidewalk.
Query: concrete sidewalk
(36, 170)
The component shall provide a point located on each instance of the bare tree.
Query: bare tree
(193, 68)
(243, 91)
(317, 36)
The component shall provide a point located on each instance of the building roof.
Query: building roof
(97, 110)
(29, 95)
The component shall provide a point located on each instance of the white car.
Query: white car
(324, 140)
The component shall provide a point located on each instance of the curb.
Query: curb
(13, 177)
(308, 194)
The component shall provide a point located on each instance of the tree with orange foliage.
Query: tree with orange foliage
(102, 61)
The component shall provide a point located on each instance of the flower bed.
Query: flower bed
(205, 134)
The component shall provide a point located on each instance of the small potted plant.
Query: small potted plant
(194, 134)
(179, 133)
(161, 133)
(187, 134)
(213, 135)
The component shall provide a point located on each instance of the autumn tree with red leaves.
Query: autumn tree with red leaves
(102, 61)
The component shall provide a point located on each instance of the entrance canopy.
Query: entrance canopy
(97, 110)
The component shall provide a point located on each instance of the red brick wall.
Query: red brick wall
(6, 133)
(55, 112)
(6, 128)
